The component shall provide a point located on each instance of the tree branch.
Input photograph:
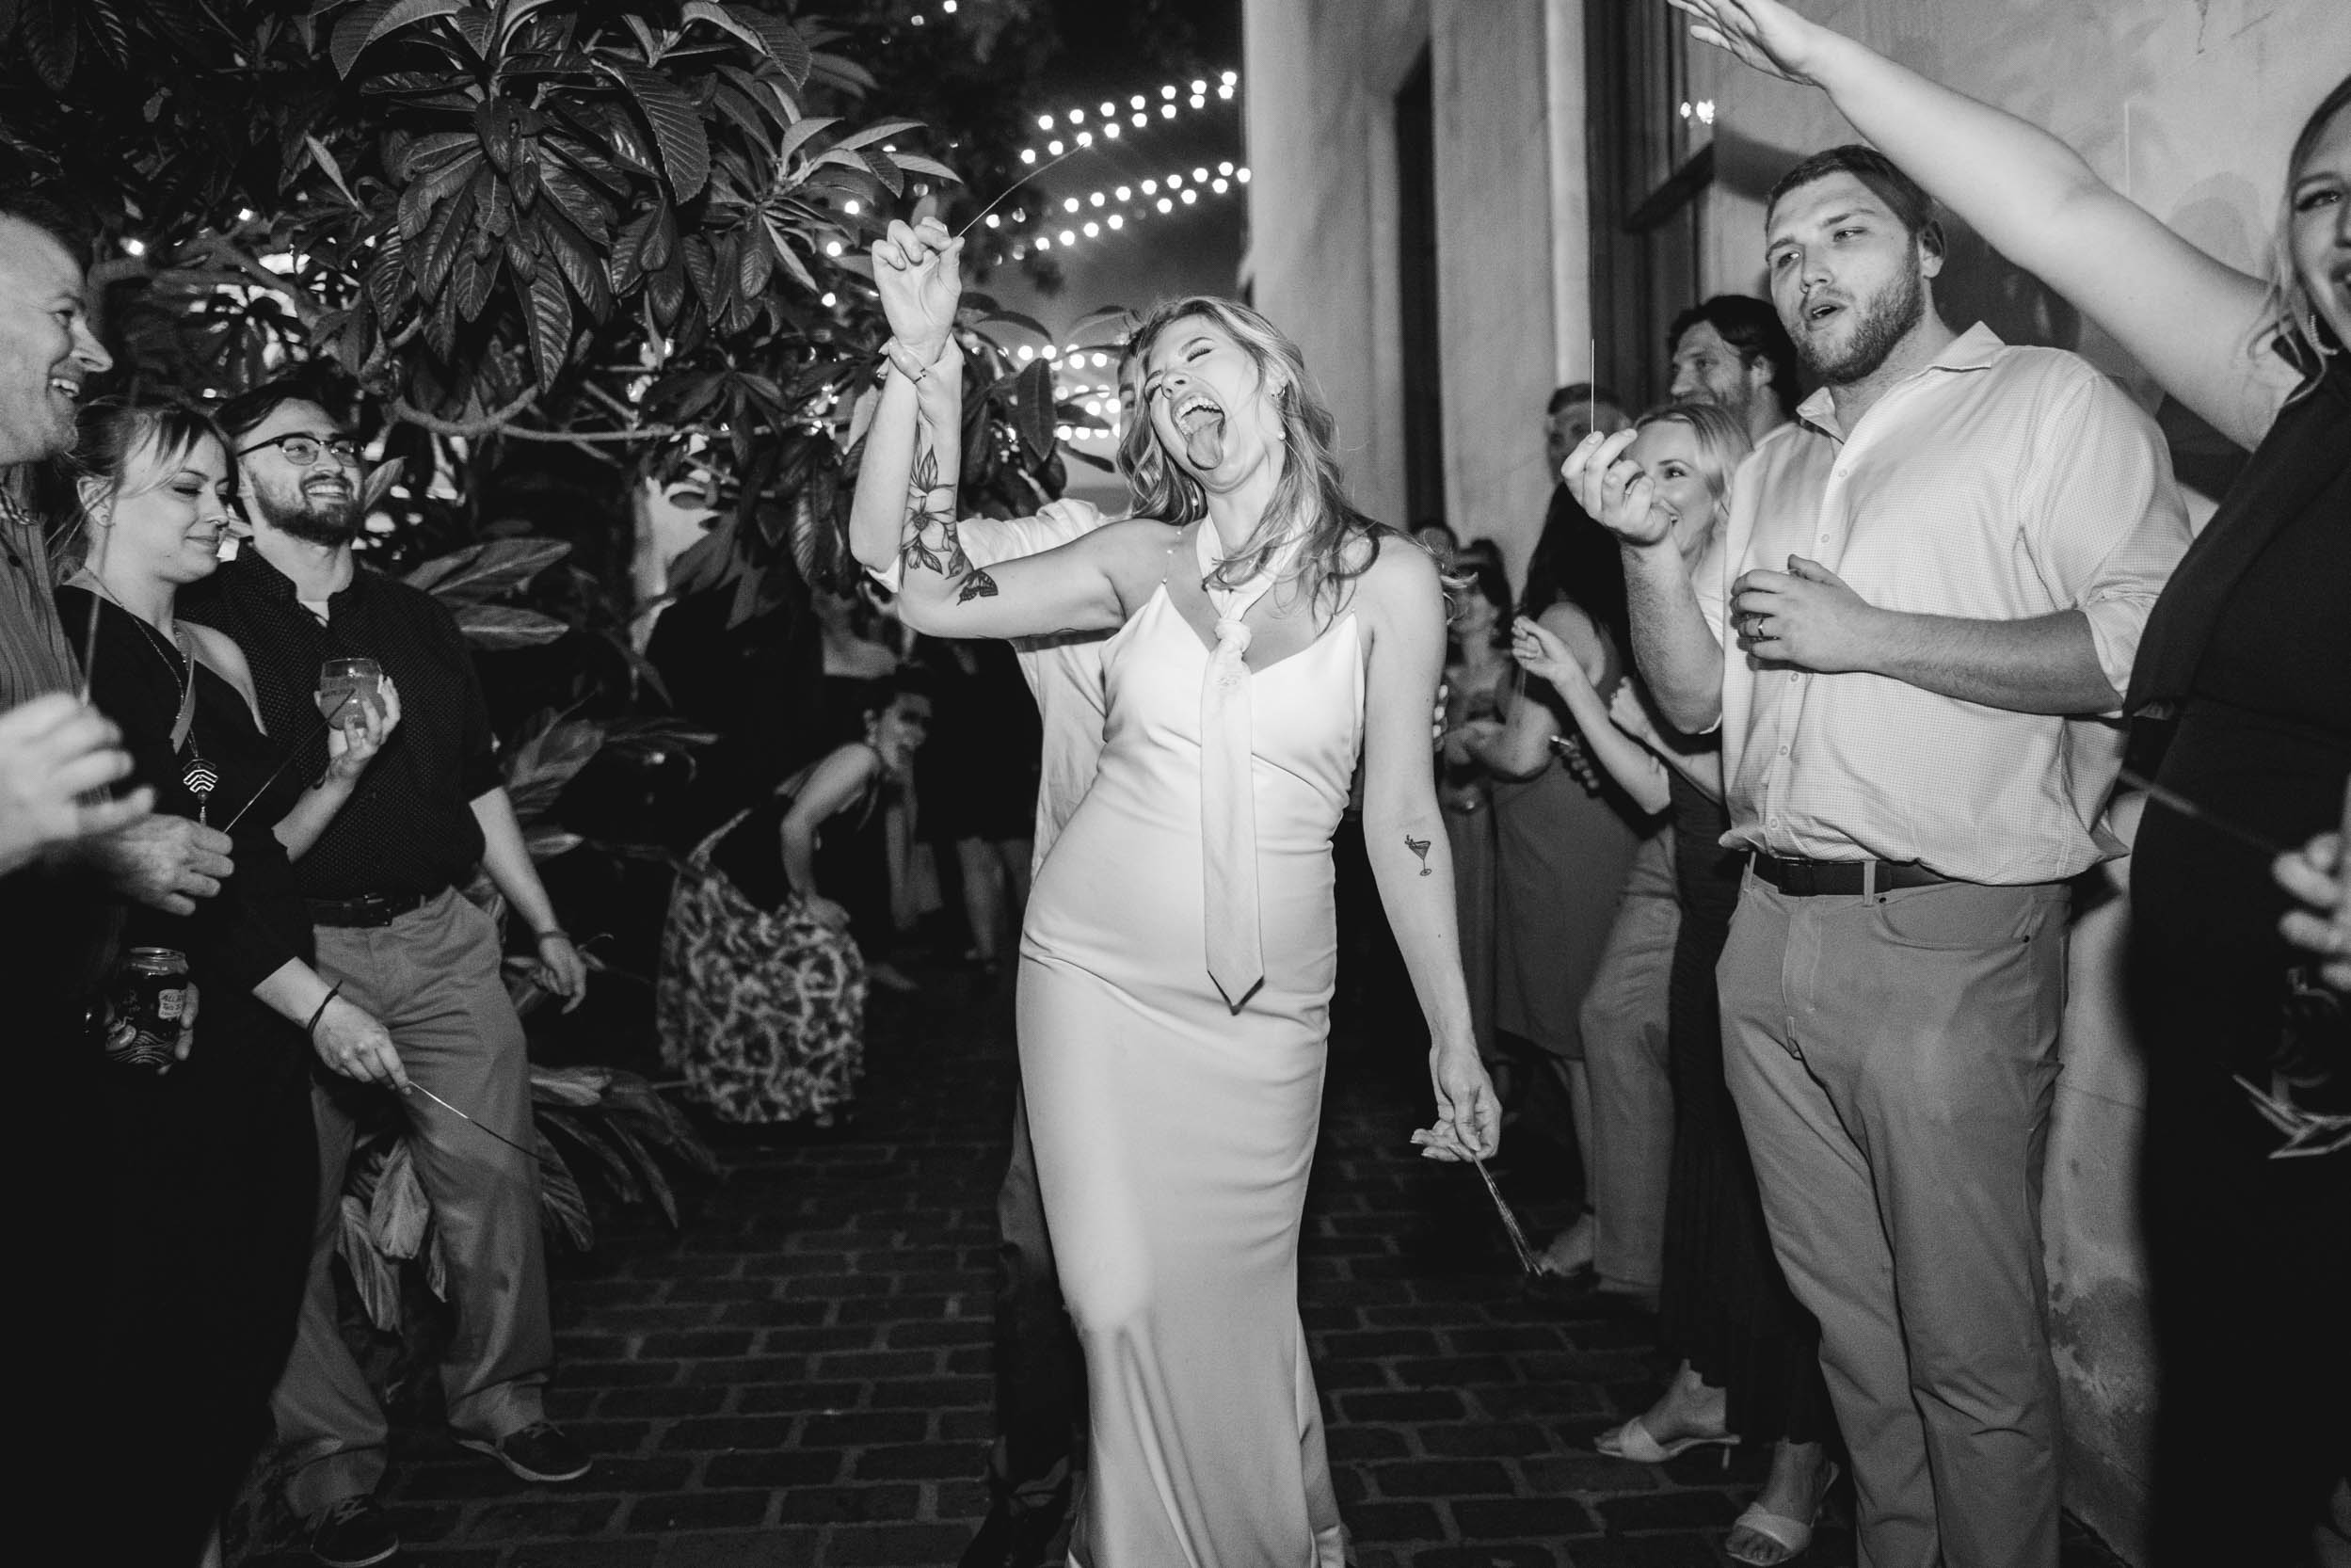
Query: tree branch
(492, 424)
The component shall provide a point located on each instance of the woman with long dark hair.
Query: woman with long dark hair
(1177, 958)
(211, 1159)
(2241, 672)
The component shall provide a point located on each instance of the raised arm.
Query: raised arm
(1411, 857)
(1673, 642)
(1541, 652)
(2186, 316)
(915, 274)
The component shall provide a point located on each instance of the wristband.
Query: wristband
(908, 366)
(332, 992)
(538, 936)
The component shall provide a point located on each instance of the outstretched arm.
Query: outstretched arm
(1673, 642)
(1411, 857)
(2183, 315)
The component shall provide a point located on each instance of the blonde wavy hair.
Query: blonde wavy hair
(1724, 444)
(1309, 500)
(2290, 316)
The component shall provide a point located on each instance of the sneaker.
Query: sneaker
(354, 1533)
(538, 1452)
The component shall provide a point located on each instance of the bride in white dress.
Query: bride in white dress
(1176, 965)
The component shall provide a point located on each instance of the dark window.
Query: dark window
(1416, 246)
(1651, 156)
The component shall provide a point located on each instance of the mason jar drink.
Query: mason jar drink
(341, 685)
(150, 1002)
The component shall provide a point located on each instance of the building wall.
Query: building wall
(1323, 259)
(1321, 78)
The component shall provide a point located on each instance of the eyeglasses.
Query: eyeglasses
(302, 448)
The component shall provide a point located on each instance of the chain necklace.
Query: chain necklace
(197, 776)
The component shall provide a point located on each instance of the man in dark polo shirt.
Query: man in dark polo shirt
(405, 944)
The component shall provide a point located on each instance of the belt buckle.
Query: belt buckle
(1803, 878)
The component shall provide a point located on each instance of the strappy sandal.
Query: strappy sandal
(1631, 1440)
(1795, 1536)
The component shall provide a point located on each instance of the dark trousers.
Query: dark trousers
(1040, 1375)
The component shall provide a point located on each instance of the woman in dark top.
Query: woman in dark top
(1750, 1353)
(2247, 657)
(761, 1001)
(978, 782)
(212, 1161)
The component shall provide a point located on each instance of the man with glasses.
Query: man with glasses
(403, 942)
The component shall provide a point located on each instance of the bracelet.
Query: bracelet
(332, 992)
(538, 936)
(908, 366)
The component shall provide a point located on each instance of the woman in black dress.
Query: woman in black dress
(1750, 1353)
(2247, 661)
(212, 1161)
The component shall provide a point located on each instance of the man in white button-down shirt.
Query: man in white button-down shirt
(1914, 634)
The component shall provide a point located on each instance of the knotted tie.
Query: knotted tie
(1228, 807)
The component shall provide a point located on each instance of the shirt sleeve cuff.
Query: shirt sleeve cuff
(2114, 625)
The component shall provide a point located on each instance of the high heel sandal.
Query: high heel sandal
(1631, 1440)
(1795, 1536)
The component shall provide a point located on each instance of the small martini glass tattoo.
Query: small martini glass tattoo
(1419, 847)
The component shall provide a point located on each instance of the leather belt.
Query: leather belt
(1799, 879)
(366, 909)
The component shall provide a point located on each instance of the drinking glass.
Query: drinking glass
(344, 687)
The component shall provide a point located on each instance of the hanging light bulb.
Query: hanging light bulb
(1027, 155)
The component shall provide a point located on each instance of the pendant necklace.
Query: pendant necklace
(197, 776)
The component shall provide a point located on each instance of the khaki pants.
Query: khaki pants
(431, 977)
(1893, 1057)
(1623, 1022)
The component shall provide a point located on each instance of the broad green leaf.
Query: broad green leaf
(576, 1086)
(333, 170)
(581, 1130)
(481, 572)
(545, 844)
(376, 19)
(397, 1214)
(376, 1277)
(563, 1206)
(550, 322)
(915, 163)
(782, 41)
(1032, 408)
(872, 134)
(677, 129)
(801, 131)
(501, 627)
(537, 770)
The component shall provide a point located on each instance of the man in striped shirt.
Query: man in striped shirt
(1913, 632)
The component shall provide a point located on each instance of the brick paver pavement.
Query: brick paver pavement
(801, 1376)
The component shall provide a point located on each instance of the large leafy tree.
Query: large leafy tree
(629, 226)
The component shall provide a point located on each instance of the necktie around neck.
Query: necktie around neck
(1229, 808)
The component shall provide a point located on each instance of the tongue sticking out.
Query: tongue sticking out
(1204, 441)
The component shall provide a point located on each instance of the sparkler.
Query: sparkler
(1509, 1220)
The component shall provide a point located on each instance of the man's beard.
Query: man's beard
(1885, 321)
(320, 519)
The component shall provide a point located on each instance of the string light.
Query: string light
(1106, 114)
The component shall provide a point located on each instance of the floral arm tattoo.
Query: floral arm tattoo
(933, 541)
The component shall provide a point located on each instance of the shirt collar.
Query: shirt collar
(1974, 349)
(261, 575)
